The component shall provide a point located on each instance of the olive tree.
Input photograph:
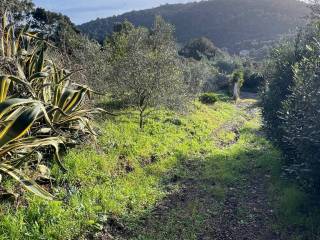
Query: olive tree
(146, 69)
(196, 75)
(237, 81)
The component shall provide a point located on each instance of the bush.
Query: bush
(218, 81)
(208, 98)
(279, 76)
(291, 106)
(199, 48)
(253, 82)
(113, 104)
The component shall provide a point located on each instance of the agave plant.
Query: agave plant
(46, 113)
(17, 117)
(68, 101)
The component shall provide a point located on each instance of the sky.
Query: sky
(81, 11)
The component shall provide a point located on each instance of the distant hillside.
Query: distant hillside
(232, 24)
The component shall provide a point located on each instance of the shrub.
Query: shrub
(253, 81)
(217, 81)
(113, 104)
(208, 98)
(279, 78)
(291, 106)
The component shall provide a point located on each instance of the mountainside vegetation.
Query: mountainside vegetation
(234, 24)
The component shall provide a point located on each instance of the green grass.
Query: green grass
(129, 171)
(123, 175)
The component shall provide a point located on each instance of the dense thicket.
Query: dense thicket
(291, 104)
(232, 24)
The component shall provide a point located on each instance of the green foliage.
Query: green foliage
(253, 81)
(291, 103)
(196, 74)
(147, 88)
(279, 78)
(208, 75)
(227, 65)
(208, 98)
(290, 108)
(199, 48)
(253, 75)
(51, 23)
(238, 77)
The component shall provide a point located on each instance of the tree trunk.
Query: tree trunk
(236, 92)
(141, 119)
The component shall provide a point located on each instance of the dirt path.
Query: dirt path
(246, 213)
(198, 210)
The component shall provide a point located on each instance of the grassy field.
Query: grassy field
(173, 180)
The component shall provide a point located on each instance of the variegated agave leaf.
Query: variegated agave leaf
(10, 104)
(5, 82)
(20, 123)
(32, 143)
(70, 101)
(2, 36)
(25, 181)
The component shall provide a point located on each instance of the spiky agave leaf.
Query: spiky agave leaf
(12, 103)
(27, 183)
(20, 122)
(9, 105)
(23, 82)
(9, 35)
(46, 90)
(38, 75)
(19, 39)
(2, 40)
(69, 101)
(5, 82)
(35, 142)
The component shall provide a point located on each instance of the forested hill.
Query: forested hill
(232, 24)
